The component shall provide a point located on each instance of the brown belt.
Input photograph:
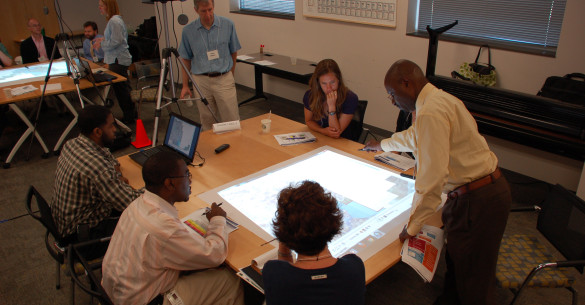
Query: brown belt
(213, 74)
(474, 185)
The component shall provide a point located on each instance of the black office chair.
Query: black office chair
(355, 129)
(524, 262)
(88, 278)
(55, 243)
(91, 270)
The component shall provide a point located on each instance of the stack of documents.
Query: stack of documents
(398, 161)
(422, 252)
(295, 138)
(197, 221)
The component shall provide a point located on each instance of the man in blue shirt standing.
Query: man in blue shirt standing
(210, 45)
(90, 31)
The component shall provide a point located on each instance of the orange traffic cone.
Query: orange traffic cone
(142, 139)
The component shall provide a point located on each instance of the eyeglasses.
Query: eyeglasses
(188, 175)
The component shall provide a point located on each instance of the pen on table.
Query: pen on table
(390, 158)
(208, 209)
(268, 241)
(407, 176)
(366, 149)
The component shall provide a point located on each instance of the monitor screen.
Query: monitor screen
(375, 201)
(182, 135)
(38, 72)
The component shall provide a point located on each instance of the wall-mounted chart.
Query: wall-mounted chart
(380, 12)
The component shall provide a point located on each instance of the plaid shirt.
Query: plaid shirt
(87, 186)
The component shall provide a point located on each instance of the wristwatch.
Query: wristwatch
(332, 112)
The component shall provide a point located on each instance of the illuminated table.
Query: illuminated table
(34, 74)
(251, 151)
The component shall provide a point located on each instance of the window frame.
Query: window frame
(413, 16)
(235, 8)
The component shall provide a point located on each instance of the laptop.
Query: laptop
(86, 72)
(181, 137)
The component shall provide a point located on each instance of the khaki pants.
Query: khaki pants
(220, 92)
(212, 286)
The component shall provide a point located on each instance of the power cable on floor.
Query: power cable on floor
(15, 217)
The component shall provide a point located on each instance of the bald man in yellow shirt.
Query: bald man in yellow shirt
(452, 158)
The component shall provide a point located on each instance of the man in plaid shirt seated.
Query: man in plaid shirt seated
(89, 186)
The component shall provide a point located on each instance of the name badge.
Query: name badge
(95, 59)
(211, 55)
(174, 297)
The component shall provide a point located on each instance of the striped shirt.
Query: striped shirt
(151, 246)
(87, 186)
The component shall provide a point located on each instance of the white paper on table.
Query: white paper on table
(244, 57)
(23, 90)
(52, 87)
(264, 62)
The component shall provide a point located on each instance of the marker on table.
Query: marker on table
(207, 210)
(266, 243)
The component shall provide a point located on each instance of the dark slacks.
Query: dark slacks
(122, 91)
(474, 224)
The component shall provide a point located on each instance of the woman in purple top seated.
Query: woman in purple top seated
(307, 218)
(329, 104)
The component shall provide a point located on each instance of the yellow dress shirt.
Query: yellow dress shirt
(447, 147)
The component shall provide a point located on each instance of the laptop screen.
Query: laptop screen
(182, 135)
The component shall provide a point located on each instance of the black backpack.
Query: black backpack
(569, 88)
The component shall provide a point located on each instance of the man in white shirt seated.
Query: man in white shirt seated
(151, 251)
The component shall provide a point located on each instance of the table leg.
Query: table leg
(24, 136)
(258, 84)
(69, 127)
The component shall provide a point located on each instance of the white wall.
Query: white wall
(77, 12)
(366, 52)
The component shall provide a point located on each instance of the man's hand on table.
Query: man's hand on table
(372, 145)
(404, 235)
(215, 210)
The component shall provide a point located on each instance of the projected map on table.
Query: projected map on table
(375, 201)
(22, 75)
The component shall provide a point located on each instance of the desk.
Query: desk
(301, 72)
(67, 85)
(251, 151)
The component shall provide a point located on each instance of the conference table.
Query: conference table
(65, 84)
(286, 67)
(251, 151)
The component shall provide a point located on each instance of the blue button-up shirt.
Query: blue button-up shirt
(196, 41)
(115, 43)
(99, 53)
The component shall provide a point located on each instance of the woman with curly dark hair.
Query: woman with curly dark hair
(307, 218)
(329, 104)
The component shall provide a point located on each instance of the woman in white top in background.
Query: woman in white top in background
(116, 55)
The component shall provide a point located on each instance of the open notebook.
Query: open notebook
(181, 137)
